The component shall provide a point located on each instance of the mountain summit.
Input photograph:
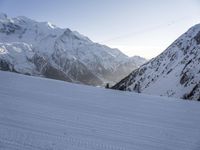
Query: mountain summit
(42, 49)
(174, 73)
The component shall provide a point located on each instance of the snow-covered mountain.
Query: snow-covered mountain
(126, 67)
(42, 49)
(45, 114)
(174, 73)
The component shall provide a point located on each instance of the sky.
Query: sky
(136, 27)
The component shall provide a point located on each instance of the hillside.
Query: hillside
(174, 73)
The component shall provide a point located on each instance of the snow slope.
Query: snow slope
(68, 54)
(174, 73)
(44, 114)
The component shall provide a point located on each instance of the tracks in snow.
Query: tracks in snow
(28, 139)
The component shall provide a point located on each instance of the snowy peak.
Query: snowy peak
(138, 60)
(66, 53)
(174, 73)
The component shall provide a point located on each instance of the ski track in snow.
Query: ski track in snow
(43, 114)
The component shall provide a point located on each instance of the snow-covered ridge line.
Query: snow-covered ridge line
(174, 73)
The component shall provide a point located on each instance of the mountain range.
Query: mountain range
(43, 49)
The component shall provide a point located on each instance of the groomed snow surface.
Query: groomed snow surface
(44, 114)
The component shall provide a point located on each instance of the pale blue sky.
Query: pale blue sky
(137, 27)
